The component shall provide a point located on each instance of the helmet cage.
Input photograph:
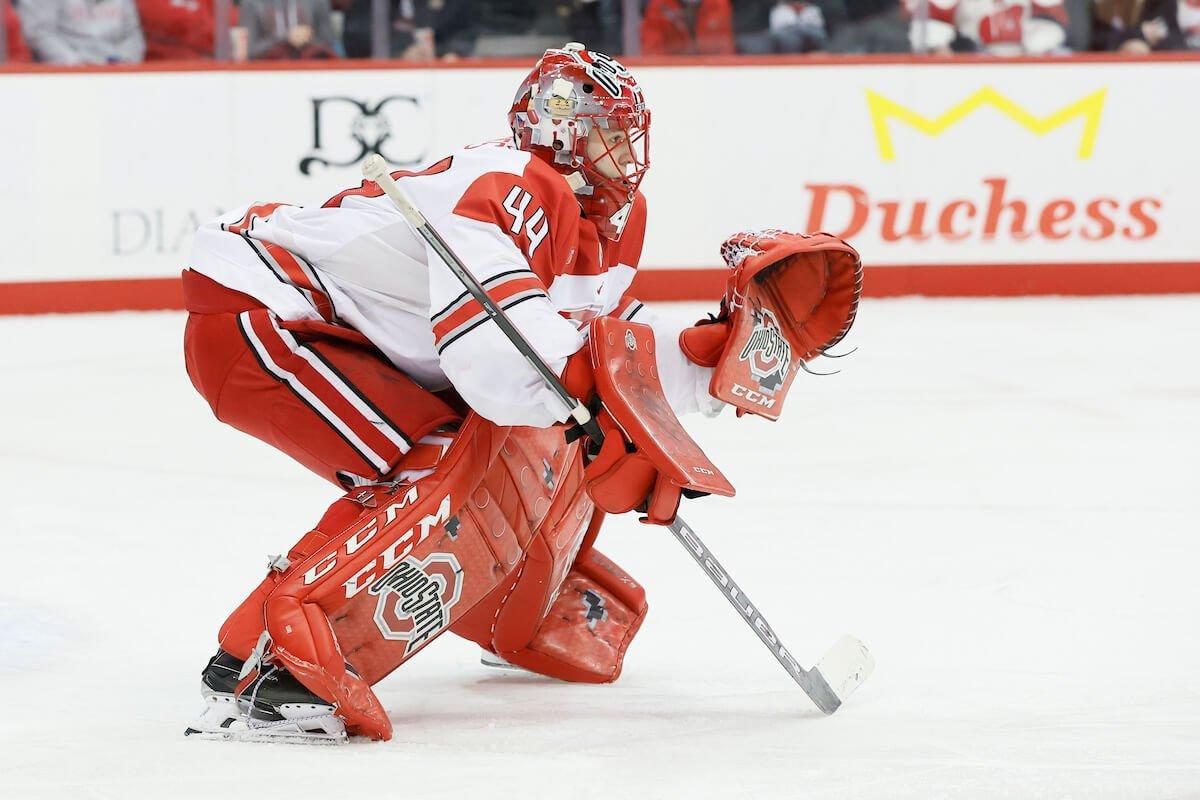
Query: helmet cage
(636, 127)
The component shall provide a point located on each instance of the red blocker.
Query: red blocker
(624, 362)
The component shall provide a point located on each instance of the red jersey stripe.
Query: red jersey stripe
(472, 308)
(262, 210)
(300, 278)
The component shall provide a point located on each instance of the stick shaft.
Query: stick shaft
(811, 681)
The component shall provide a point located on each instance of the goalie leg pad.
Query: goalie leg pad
(507, 619)
(397, 566)
(596, 614)
(390, 576)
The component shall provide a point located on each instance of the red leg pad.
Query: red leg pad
(590, 625)
(507, 619)
(398, 566)
(388, 570)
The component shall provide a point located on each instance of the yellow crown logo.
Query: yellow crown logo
(1089, 108)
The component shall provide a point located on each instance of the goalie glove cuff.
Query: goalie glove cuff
(621, 478)
(704, 342)
(578, 377)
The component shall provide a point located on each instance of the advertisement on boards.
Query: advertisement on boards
(917, 165)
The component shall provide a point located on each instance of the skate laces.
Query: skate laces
(250, 720)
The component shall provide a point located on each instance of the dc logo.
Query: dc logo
(347, 130)
(415, 598)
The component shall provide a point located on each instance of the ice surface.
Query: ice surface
(998, 496)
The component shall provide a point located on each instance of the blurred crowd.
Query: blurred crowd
(131, 31)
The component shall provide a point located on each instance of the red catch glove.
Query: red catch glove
(620, 479)
(789, 298)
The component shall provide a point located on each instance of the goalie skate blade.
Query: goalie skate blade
(840, 672)
(220, 712)
(495, 662)
(324, 730)
(272, 737)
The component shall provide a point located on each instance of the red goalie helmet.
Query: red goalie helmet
(570, 92)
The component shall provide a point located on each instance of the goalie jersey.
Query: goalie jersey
(512, 219)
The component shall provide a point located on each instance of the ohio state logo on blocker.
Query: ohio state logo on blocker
(415, 598)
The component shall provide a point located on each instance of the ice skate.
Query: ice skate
(218, 683)
(274, 708)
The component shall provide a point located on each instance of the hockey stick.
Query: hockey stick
(844, 667)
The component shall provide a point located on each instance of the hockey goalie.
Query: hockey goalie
(468, 503)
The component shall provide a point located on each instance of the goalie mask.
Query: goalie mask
(571, 92)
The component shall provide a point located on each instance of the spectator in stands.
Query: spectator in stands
(17, 51)
(421, 30)
(797, 27)
(784, 26)
(177, 29)
(70, 32)
(1137, 26)
(868, 26)
(687, 27)
(996, 27)
(288, 29)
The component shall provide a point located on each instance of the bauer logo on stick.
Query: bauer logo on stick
(415, 598)
(767, 352)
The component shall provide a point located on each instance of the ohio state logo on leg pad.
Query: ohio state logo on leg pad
(415, 598)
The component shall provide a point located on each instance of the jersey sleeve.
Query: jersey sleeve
(685, 384)
(502, 230)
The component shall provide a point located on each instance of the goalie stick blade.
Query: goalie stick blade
(840, 672)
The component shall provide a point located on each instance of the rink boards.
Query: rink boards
(961, 178)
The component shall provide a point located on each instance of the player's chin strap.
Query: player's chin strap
(842, 669)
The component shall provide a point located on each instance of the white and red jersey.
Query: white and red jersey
(513, 221)
(999, 27)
